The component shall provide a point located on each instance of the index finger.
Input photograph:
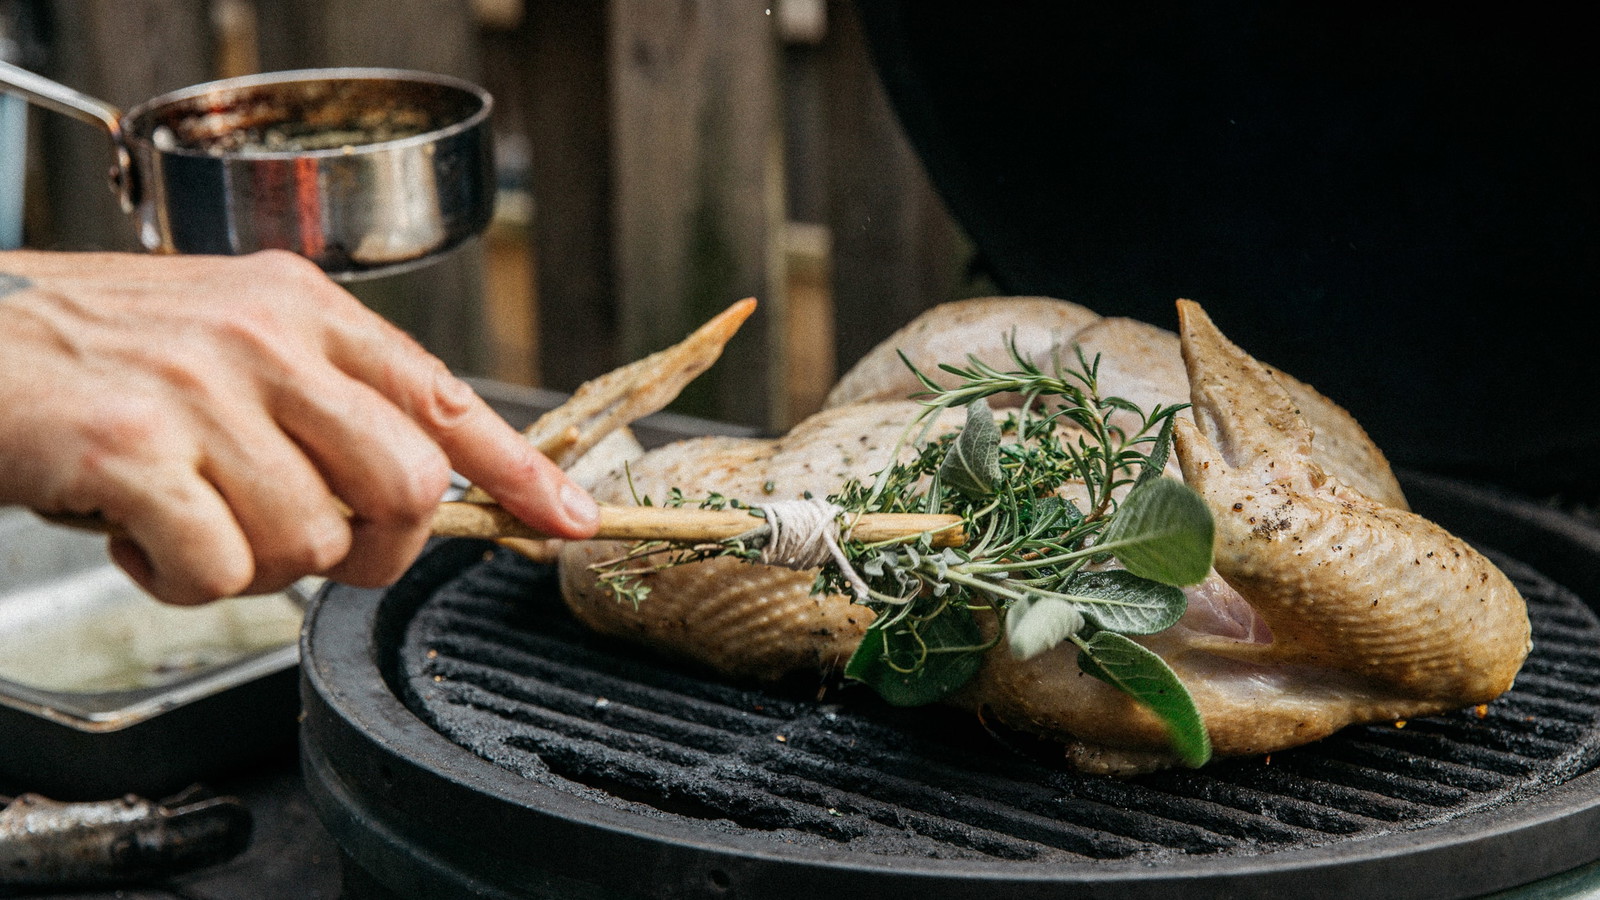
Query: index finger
(492, 455)
(480, 444)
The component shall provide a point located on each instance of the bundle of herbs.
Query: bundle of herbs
(1076, 539)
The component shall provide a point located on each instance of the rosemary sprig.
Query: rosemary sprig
(1041, 563)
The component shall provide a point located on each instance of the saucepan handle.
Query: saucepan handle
(63, 99)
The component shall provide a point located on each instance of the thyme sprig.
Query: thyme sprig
(625, 575)
(1078, 541)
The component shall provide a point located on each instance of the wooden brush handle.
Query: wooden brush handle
(638, 523)
(651, 523)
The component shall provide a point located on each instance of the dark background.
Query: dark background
(1394, 202)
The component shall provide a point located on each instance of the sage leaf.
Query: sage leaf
(1162, 531)
(1156, 462)
(1125, 603)
(913, 662)
(1035, 624)
(1141, 674)
(972, 465)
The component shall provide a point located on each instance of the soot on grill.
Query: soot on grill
(493, 662)
(463, 736)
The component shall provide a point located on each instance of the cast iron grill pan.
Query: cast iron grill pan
(808, 785)
(493, 662)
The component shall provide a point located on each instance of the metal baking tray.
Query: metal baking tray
(104, 691)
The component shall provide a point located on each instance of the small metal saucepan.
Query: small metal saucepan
(364, 171)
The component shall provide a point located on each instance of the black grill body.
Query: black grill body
(464, 736)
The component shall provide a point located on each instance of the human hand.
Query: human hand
(245, 420)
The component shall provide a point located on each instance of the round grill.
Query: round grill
(506, 737)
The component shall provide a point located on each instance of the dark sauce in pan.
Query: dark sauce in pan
(313, 116)
(304, 136)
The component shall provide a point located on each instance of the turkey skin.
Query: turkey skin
(1330, 603)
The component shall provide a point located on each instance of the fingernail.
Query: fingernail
(580, 508)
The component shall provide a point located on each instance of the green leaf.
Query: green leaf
(1162, 531)
(1036, 624)
(1125, 603)
(1157, 459)
(1146, 677)
(973, 464)
(1052, 512)
(905, 666)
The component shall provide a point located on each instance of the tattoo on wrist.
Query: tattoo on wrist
(10, 284)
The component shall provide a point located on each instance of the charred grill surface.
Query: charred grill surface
(463, 736)
(493, 662)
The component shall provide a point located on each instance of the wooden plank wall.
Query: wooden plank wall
(896, 250)
(569, 136)
(683, 154)
(122, 52)
(697, 185)
(657, 175)
(709, 156)
(441, 304)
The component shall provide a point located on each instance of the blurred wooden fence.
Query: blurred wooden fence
(681, 154)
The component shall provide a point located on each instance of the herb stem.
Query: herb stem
(1016, 485)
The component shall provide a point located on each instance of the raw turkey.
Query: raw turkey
(1329, 604)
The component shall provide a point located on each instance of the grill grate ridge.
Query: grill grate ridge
(495, 663)
(1441, 771)
(519, 699)
(1218, 787)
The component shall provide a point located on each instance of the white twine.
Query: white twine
(805, 535)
